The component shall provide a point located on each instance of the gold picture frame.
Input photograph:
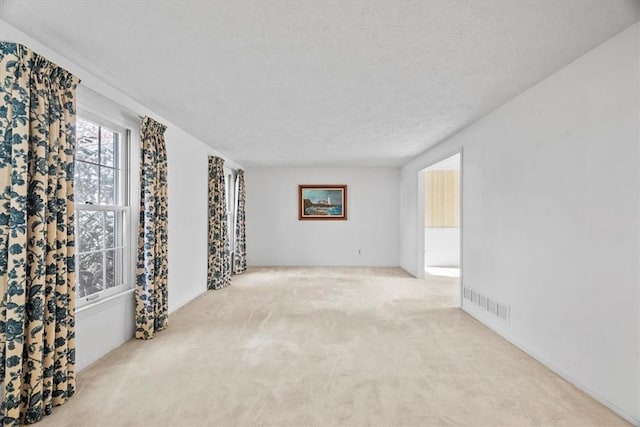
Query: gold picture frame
(322, 202)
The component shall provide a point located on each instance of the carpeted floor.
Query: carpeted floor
(325, 347)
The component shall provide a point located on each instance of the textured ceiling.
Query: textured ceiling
(322, 83)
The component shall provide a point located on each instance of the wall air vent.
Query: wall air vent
(502, 311)
(492, 307)
(482, 302)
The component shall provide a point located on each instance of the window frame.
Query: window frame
(230, 178)
(124, 205)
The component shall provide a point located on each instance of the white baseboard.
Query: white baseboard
(187, 301)
(560, 372)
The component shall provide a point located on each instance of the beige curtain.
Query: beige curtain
(219, 271)
(152, 268)
(37, 247)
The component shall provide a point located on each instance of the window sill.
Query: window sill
(102, 304)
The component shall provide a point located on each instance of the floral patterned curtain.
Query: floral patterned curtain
(37, 247)
(219, 271)
(240, 258)
(152, 269)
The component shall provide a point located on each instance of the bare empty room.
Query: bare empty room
(320, 213)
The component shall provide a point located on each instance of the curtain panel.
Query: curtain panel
(37, 247)
(240, 257)
(219, 264)
(151, 290)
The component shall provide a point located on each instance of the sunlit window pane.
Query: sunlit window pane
(107, 186)
(90, 273)
(108, 141)
(110, 229)
(86, 183)
(90, 231)
(87, 141)
(112, 268)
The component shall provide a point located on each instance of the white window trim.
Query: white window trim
(92, 106)
(231, 175)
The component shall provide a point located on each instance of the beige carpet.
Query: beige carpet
(325, 347)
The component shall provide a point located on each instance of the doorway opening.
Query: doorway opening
(440, 223)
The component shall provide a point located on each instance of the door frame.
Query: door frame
(421, 212)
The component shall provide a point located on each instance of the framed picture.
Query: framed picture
(322, 202)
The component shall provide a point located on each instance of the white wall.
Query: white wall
(551, 216)
(105, 326)
(277, 237)
(442, 247)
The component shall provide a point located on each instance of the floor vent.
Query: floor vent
(502, 311)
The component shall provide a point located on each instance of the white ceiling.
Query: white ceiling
(322, 83)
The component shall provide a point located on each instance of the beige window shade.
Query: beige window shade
(442, 197)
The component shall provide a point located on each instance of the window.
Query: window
(102, 210)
